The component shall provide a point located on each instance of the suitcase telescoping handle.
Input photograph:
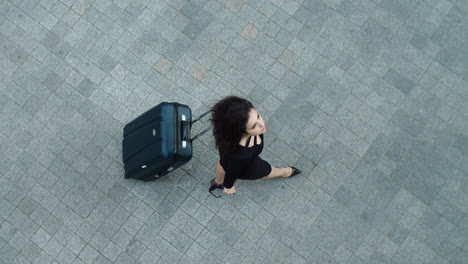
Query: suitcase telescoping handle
(204, 131)
(200, 117)
(186, 131)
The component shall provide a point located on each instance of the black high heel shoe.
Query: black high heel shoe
(215, 186)
(295, 171)
(218, 186)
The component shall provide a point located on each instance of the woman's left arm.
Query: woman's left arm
(234, 168)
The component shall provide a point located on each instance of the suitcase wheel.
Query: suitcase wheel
(152, 178)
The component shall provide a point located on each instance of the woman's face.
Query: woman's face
(255, 124)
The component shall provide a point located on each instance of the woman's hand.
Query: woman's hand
(229, 191)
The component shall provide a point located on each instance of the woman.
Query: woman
(238, 130)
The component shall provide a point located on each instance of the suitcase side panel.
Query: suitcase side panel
(183, 144)
(149, 142)
(152, 114)
(143, 168)
(143, 155)
(139, 140)
(156, 172)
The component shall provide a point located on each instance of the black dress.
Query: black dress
(244, 163)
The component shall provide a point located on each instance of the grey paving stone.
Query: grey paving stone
(51, 225)
(122, 238)
(66, 256)
(271, 29)
(402, 83)
(27, 205)
(398, 234)
(99, 241)
(461, 143)
(18, 56)
(374, 155)
(190, 10)
(62, 49)
(171, 255)
(112, 251)
(198, 24)
(149, 257)
(404, 121)
(182, 242)
(31, 251)
(374, 237)
(50, 41)
(53, 81)
(343, 195)
(53, 248)
(18, 241)
(8, 253)
(88, 255)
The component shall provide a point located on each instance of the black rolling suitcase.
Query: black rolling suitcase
(158, 141)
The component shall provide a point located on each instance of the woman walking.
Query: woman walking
(238, 130)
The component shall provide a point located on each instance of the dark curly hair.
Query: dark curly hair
(229, 117)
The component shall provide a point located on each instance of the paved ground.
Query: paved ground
(367, 97)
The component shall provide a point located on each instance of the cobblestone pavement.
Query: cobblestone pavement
(367, 97)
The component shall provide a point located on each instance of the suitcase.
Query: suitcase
(158, 141)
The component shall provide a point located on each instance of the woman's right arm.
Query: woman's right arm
(235, 167)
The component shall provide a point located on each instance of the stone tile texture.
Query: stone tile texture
(368, 97)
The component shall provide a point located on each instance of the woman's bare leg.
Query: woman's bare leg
(219, 173)
(279, 172)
